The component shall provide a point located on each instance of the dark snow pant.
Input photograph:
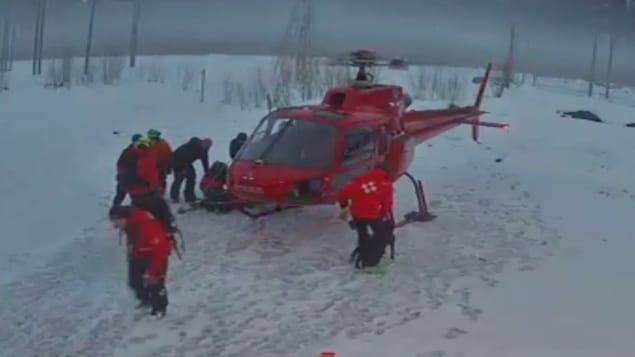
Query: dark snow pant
(136, 269)
(164, 171)
(158, 296)
(188, 174)
(120, 195)
(155, 204)
(154, 295)
(370, 246)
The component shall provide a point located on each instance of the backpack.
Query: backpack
(129, 175)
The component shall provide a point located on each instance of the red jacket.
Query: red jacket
(147, 170)
(370, 195)
(147, 238)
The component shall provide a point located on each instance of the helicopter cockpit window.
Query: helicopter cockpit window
(359, 145)
(291, 142)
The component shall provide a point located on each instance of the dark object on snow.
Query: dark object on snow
(116, 132)
(217, 197)
(581, 114)
(499, 160)
(631, 125)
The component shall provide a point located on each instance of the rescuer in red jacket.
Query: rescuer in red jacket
(369, 199)
(141, 177)
(149, 248)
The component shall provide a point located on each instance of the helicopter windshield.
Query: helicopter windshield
(292, 142)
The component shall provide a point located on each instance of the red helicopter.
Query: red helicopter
(302, 155)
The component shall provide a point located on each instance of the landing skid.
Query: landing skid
(255, 214)
(421, 214)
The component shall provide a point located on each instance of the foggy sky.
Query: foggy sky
(554, 37)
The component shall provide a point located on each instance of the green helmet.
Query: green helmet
(143, 142)
(154, 134)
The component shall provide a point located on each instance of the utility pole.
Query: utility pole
(134, 35)
(40, 51)
(89, 40)
(509, 65)
(4, 49)
(36, 35)
(12, 47)
(593, 64)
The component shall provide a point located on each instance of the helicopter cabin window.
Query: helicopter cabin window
(291, 142)
(359, 145)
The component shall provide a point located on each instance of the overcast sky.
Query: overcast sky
(554, 36)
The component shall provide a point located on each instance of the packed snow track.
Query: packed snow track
(272, 286)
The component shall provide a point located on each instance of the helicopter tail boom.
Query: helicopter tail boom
(424, 124)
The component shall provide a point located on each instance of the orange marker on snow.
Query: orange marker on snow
(327, 354)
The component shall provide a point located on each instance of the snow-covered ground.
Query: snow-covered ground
(530, 256)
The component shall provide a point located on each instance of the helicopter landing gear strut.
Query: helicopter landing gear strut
(421, 214)
(249, 212)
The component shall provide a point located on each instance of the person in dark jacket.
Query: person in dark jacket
(183, 167)
(236, 144)
(121, 192)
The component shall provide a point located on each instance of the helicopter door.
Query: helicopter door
(382, 142)
(360, 146)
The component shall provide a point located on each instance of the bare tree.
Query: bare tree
(419, 82)
(134, 33)
(54, 76)
(38, 43)
(258, 92)
(36, 38)
(188, 75)
(294, 66)
(11, 54)
(594, 56)
(203, 84)
(508, 68)
(334, 77)
(228, 90)
(242, 96)
(4, 46)
(67, 68)
(89, 39)
(112, 68)
(609, 67)
(156, 72)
